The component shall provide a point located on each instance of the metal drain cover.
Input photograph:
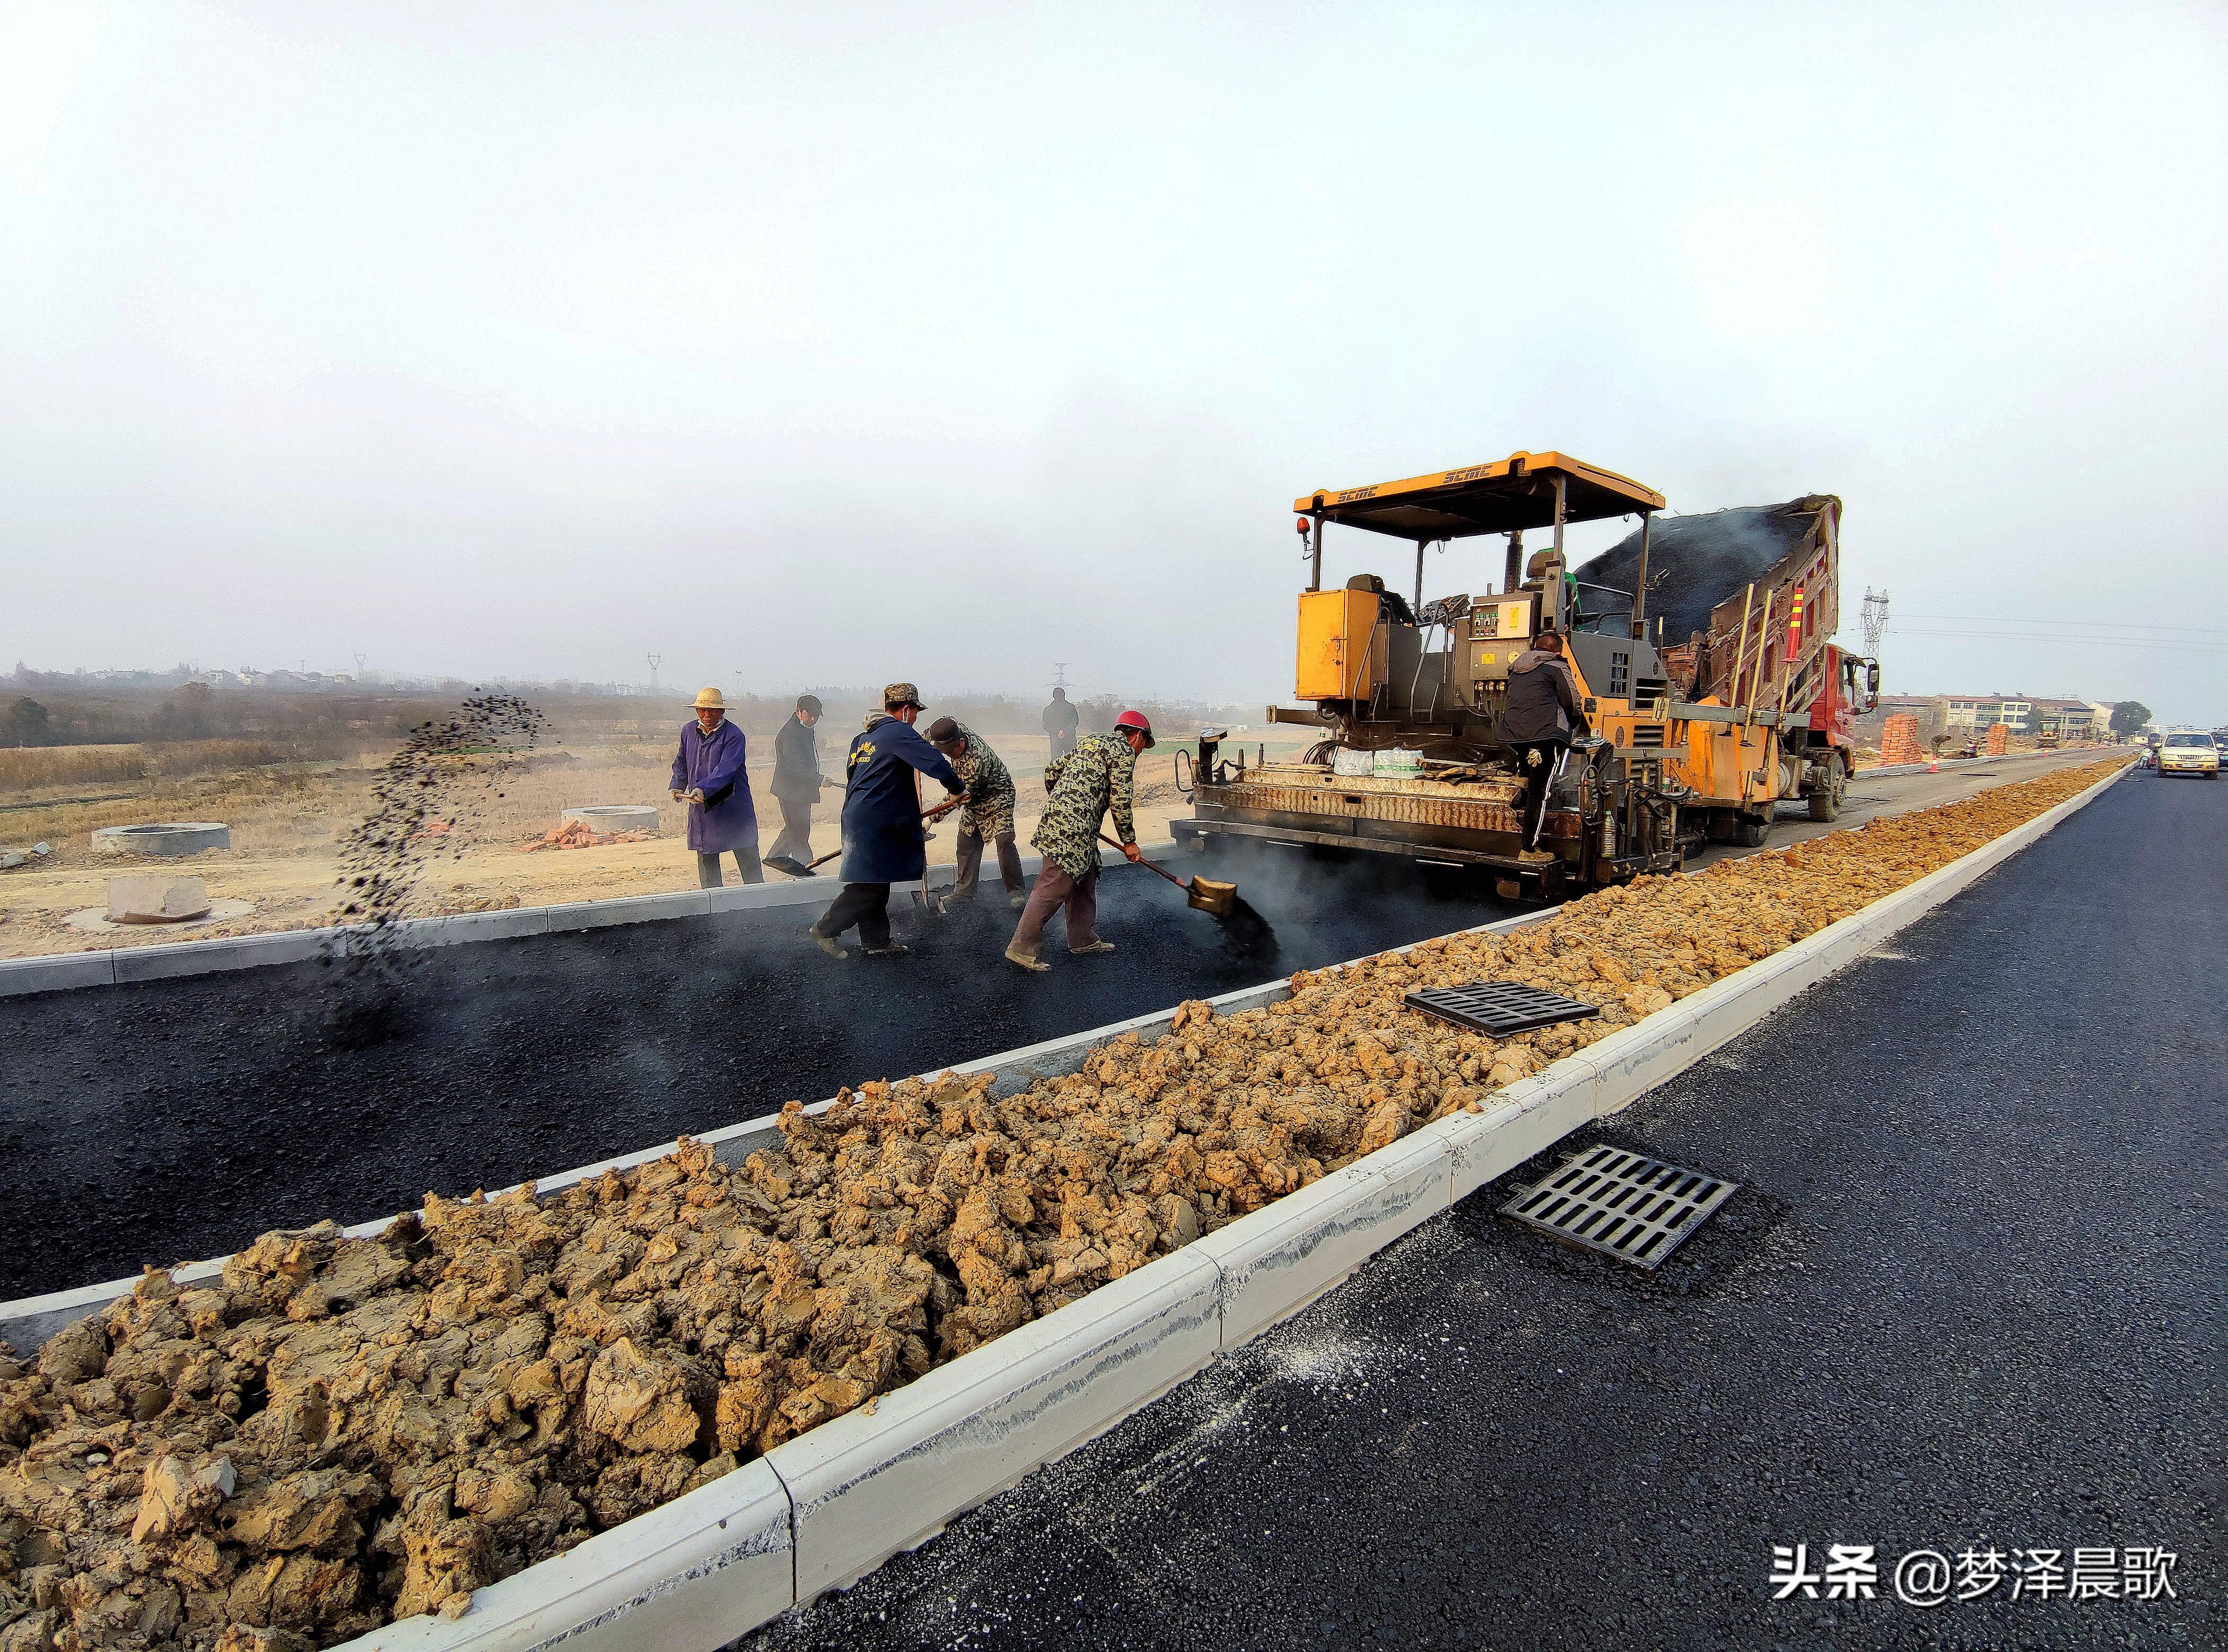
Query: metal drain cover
(1621, 1204)
(1500, 1007)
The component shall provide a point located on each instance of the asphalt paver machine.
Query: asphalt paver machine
(1685, 743)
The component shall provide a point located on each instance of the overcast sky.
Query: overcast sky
(839, 343)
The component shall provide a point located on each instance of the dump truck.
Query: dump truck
(1685, 742)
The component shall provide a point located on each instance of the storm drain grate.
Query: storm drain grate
(1634, 1208)
(1500, 1007)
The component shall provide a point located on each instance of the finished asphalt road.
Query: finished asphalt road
(1969, 1298)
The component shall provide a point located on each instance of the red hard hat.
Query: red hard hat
(1135, 719)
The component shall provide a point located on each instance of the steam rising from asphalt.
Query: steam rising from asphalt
(425, 803)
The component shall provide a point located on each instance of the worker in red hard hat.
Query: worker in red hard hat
(1098, 778)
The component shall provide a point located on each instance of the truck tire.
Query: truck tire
(1826, 801)
(1751, 831)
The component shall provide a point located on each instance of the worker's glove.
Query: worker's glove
(696, 794)
(1532, 759)
(676, 794)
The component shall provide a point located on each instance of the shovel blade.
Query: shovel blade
(1208, 895)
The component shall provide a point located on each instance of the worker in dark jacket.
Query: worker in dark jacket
(883, 842)
(708, 770)
(1060, 721)
(1541, 712)
(796, 784)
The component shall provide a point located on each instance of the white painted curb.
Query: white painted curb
(116, 965)
(673, 1576)
(863, 1487)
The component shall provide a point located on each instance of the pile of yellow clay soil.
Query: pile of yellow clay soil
(344, 1431)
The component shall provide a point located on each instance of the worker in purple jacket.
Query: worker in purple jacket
(709, 771)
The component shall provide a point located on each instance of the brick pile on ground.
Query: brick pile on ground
(1999, 741)
(1899, 740)
(579, 834)
(342, 1431)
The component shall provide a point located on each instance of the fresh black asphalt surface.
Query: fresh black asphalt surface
(171, 1120)
(1969, 1298)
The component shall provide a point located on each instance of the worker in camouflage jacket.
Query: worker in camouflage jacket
(1098, 778)
(987, 817)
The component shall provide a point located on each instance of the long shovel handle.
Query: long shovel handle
(943, 808)
(1179, 882)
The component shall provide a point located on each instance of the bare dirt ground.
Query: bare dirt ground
(287, 823)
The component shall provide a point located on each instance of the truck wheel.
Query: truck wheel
(1751, 831)
(1826, 802)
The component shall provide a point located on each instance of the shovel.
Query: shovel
(1204, 893)
(796, 868)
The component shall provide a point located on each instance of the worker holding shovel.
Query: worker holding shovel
(1098, 776)
(708, 770)
(989, 818)
(883, 842)
(797, 786)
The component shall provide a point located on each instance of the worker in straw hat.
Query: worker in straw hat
(707, 771)
(1098, 778)
(883, 840)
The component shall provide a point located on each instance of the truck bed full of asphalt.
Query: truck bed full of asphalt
(1969, 1296)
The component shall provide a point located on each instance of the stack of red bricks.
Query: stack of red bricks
(1999, 740)
(1899, 741)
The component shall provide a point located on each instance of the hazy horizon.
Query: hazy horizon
(846, 345)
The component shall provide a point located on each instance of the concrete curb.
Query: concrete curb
(117, 965)
(723, 1553)
(863, 1487)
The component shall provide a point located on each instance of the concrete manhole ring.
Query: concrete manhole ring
(94, 920)
(166, 837)
(614, 818)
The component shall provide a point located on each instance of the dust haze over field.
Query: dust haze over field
(527, 342)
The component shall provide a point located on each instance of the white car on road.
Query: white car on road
(2189, 754)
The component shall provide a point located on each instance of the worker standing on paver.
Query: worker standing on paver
(1537, 722)
(883, 841)
(796, 785)
(1098, 776)
(709, 771)
(1060, 721)
(989, 815)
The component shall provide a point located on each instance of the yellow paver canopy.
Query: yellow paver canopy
(1518, 491)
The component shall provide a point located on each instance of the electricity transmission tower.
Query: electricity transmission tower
(1060, 668)
(656, 660)
(1875, 620)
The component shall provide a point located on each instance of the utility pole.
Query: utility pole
(1875, 621)
(656, 660)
